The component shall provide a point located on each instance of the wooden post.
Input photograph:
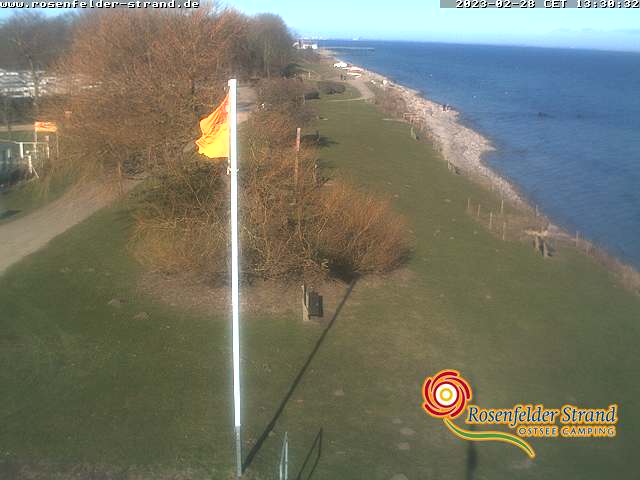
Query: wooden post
(537, 211)
(468, 204)
(490, 220)
(478, 215)
(577, 238)
(305, 309)
(502, 207)
(545, 248)
(536, 243)
(504, 231)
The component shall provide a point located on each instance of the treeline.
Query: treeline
(139, 80)
(30, 40)
(136, 83)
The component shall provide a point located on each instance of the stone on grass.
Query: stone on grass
(339, 393)
(141, 316)
(407, 431)
(114, 302)
(404, 446)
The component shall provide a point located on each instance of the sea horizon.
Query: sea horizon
(481, 44)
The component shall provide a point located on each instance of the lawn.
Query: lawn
(25, 197)
(89, 381)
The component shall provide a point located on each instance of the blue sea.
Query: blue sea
(566, 123)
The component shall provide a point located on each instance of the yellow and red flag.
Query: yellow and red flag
(45, 127)
(214, 142)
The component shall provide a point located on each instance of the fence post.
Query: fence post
(502, 207)
(490, 220)
(468, 204)
(504, 231)
(478, 215)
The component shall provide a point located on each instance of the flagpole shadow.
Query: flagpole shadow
(270, 426)
(317, 445)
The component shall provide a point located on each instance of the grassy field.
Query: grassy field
(23, 198)
(88, 381)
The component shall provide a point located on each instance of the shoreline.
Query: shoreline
(463, 148)
(460, 145)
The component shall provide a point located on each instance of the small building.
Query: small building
(302, 44)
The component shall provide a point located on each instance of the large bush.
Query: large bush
(285, 233)
(330, 88)
(291, 226)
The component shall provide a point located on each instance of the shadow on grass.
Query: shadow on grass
(8, 214)
(317, 447)
(317, 140)
(472, 452)
(270, 426)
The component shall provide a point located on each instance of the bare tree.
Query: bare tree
(32, 42)
(271, 43)
(140, 80)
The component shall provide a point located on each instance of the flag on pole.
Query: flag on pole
(45, 127)
(214, 142)
(219, 140)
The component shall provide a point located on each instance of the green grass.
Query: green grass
(25, 197)
(84, 382)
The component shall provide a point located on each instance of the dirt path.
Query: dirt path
(361, 85)
(28, 234)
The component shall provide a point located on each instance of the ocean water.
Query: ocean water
(566, 124)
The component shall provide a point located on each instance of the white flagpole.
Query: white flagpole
(235, 297)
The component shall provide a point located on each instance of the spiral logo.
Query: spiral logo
(446, 394)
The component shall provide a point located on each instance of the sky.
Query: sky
(424, 20)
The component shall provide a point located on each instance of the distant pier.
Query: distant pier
(364, 49)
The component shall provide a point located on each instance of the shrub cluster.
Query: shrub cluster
(293, 225)
(329, 88)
